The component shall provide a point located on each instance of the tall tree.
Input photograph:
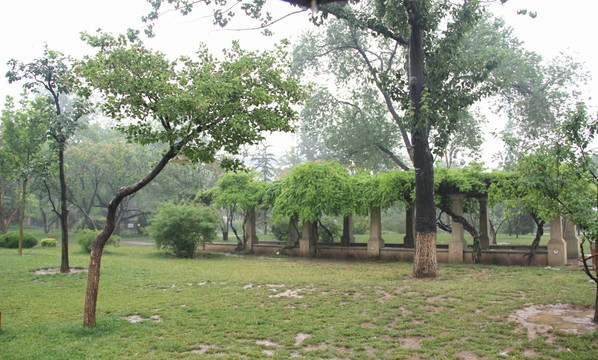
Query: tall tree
(435, 86)
(195, 107)
(52, 76)
(24, 134)
(535, 96)
(265, 162)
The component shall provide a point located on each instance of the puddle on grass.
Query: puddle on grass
(562, 317)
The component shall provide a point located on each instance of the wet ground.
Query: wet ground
(540, 319)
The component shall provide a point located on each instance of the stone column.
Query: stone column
(307, 239)
(572, 241)
(293, 235)
(250, 230)
(375, 243)
(409, 239)
(557, 248)
(348, 237)
(457, 244)
(485, 233)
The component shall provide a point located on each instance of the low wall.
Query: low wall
(496, 255)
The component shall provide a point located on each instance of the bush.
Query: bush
(10, 240)
(280, 229)
(85, 238)
(182, 227)
(361, 225)
(48, 242)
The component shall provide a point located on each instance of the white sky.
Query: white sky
(26, 25)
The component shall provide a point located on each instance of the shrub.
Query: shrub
(361, 225)
(182, 227)
(48, 242)
(280, 229)
(85, 238)
(10, 240)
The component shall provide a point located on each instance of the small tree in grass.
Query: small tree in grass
(182, 227)
(562, 178)
(195, 107)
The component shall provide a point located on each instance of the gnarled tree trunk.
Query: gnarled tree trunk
(93, 277)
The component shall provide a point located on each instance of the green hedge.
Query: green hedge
(48, 242)
(11, 240)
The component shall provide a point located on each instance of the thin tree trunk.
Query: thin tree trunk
(3, 224)
(467, 226)
(64, 211)
(22, 217)
(529, 259)
(425, 264)
(93, 278)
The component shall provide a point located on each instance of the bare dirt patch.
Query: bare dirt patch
(412, 342)
(134, 319)
(384, 295)
(405, 311)
(300, 338)
(53, 271)
(440, 298)
(156, 318)
(201, 349)
(267, 343)
(291, 293)
(540, 319)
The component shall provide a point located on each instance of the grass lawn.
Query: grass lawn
(248, 307)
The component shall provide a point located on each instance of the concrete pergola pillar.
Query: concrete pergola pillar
(375, 243)
(572, 241)
(250, 230)
(557, 248)
(347, 237)
(307, 239)
(485, 233)
(409, 239)
(457, 245)
(293, 235)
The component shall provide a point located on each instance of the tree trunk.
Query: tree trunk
(93, 277)
(425, 264)
(3, 224)
(22, 217)
(529, 259)
(64, 211)
(467, 226)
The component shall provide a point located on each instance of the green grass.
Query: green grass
(225, 307)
